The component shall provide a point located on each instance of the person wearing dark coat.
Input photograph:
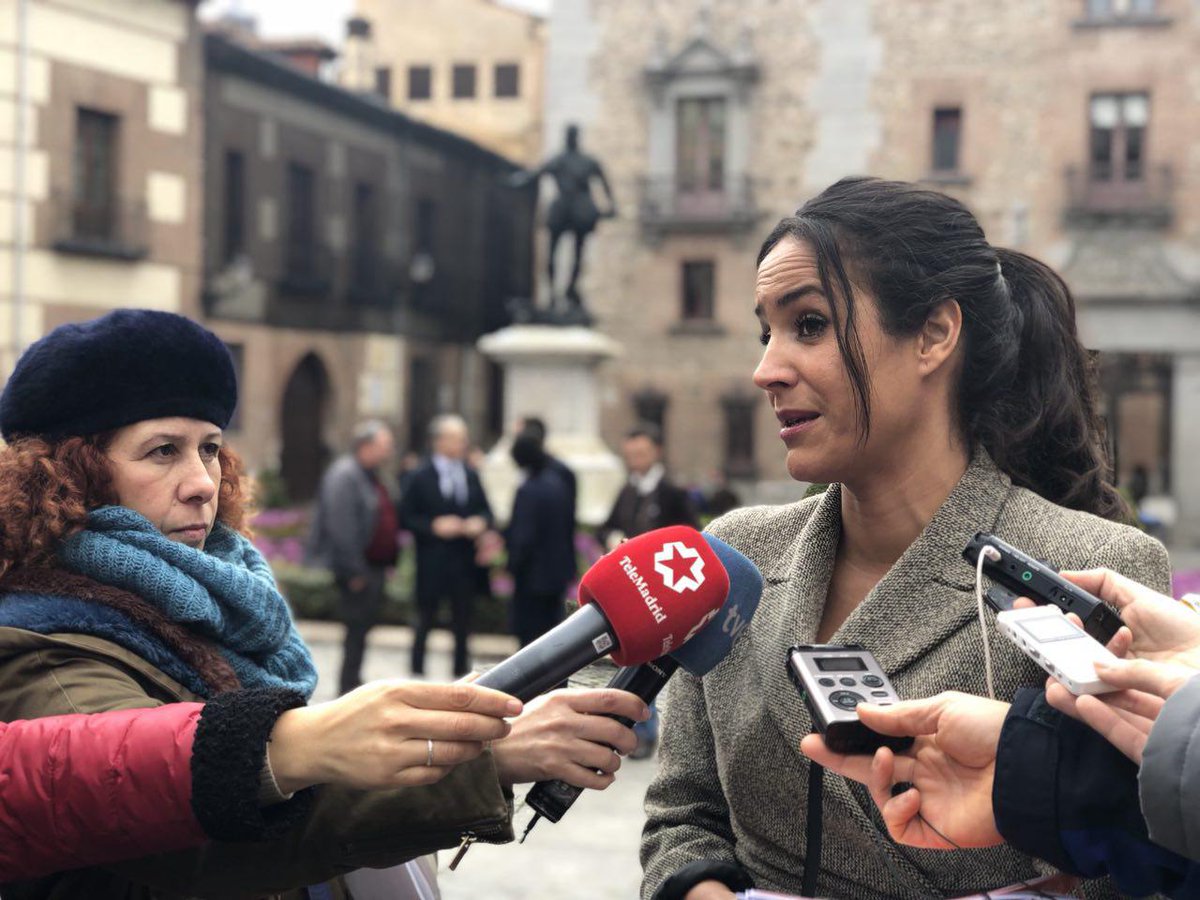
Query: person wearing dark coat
(447, 511)
(540, 541)
(536, 427)
(649, 500)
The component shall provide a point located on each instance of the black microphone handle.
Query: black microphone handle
(552, 799)
(562, 651)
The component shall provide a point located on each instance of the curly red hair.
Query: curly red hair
(47, 489)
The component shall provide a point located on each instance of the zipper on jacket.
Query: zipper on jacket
(487, 831)
(467, 841)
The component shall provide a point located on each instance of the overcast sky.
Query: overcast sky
(326, 18)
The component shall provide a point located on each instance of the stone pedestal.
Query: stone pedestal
(550, 372)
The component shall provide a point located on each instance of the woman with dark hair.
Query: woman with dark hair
(540, 540)
(938, 385)
(127, 580)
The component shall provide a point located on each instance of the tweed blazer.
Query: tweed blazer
(732, 783)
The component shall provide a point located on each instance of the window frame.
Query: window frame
(946, 144)
(498, 82)
(415, 73)
(459, 89)
(95, 198)
(694, 308)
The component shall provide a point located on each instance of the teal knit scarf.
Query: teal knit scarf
(225, 592)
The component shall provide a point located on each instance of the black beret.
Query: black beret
(124, 367)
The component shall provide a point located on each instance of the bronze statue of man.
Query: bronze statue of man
(573, 210)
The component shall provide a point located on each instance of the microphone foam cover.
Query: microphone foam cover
(713, 642)
(656, 590)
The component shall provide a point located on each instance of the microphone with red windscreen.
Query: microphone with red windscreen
(646, 598)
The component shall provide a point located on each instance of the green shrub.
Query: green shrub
(312, 594)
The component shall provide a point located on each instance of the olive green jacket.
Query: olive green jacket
(47, 675)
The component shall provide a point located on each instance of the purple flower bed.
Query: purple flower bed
(286, 549)
(1185, 582)
(280, 519)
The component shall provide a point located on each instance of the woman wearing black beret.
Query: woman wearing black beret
(127, 580)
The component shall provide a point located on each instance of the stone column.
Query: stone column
(550, 372)
(1185, 447)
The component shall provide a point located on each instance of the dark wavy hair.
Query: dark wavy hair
(1026, 390)
(47, 489)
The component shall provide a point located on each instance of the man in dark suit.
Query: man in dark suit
(649, 499)
(446, 510)
(540, 541)
(537, 428)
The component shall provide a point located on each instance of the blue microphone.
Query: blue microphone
(699, 656)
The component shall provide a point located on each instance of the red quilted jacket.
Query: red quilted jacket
(87, 789)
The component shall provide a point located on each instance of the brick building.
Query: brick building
(100, 162)
(352, 257)
(1068, 126)
(473, 67)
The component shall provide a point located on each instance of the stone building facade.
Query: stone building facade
(473, 67)
(1068, 126)
(352, 258)
(100, 162)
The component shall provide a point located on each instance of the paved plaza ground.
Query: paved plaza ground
(590, 855)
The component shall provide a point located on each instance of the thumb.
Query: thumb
(906, 718)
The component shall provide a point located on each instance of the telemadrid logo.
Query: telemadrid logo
(680, 553)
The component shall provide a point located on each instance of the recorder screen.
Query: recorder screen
(1051, 628)
(841, 664)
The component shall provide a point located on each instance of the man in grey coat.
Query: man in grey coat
(354, 535)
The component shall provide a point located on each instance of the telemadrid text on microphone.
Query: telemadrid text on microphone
(643, 600)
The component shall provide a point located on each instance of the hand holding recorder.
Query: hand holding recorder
(1163, 637)
(1158, 628)
(950, 769)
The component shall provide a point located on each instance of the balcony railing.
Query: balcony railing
(668, 206)
(307, 272)
(114, 227)
(1147, 200)
(373, 285)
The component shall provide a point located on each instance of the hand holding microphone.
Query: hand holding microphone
(570, 735)
(648, 597)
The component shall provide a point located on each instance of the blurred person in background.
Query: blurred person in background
(537, 427)
(723, 497)
(540, 541)
(355, 534)
(447, 512)
(649, 500)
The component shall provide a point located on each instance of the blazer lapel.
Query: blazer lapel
(794, 589)
(929, 593)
